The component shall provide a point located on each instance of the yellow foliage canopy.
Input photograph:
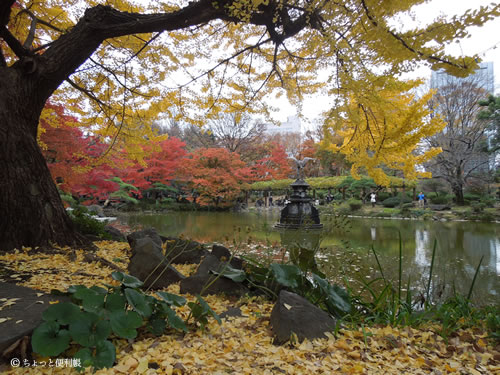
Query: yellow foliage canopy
(192, 61)
(381, 124)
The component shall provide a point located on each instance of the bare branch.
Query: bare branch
(88, 93)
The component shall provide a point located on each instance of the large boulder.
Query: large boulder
(223, 254)
(151, 233)
(95, 209)
(294, 314)
(182, 251)
(114, 233)
(150, 266)
(205, 275)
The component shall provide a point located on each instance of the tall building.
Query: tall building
(483, 77)
(291, 125)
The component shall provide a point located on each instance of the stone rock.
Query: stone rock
(209, 263)
(96, 210)
(203, 276)
(439, 207)
(222, 252)
(223, 285)
(25, 314)
(184, 251)
(115, 234)
(132, 238)
(231, 312)
(294, 314)
(147, 256)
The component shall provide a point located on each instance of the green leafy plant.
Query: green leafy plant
(96, 314)
(276, 276)
(86, 223)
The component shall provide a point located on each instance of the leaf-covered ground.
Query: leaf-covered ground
(243, 345)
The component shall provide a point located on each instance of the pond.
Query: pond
(347, 245)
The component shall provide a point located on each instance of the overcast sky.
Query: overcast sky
(484, 41)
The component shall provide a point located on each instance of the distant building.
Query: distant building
(291, 125)
(483, 77)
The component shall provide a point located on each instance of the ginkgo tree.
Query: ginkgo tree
(117, 66)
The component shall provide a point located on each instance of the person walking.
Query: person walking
(373, 199)
(421, 200)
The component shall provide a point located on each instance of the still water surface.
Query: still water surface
(459, 246)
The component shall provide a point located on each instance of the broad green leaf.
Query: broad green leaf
(336, 298)
(75, 288)
(127, 280)
(98, 289)
(139, 302)
(85, 356)
(207, 308)
(124, 324)
(233, 274)
(93, 302)
(64, 313)
(80, 292)
(49, 340)
(174, 320)
(105, 354)
(115, 301)
(88, 333)
(287, 275)
(157, 326)
(172, 299)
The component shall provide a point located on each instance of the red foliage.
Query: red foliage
(215, 176)
(65, 146)
(161, 166)
(274, 165)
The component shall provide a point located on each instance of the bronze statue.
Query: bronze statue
(300, 164)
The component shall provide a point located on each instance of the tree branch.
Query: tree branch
(13, 43)
(404, 43)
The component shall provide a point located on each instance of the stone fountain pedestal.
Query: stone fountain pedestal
(300, 228)
(300, 213)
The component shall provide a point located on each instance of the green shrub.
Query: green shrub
(355, 204)
(419, 212)
(471, 197)
(439, 199)
(343, 209)
(68, 198)
(488, 200)
(383, 195)
(396, 201)
(478, 207)
(87, 224)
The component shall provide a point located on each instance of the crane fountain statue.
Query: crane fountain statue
(299, 213)
(299, 226)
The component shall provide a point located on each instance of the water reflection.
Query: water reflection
(421, 247)
(459, 245)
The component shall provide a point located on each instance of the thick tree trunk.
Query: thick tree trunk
(458, 190)
(32, 213)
